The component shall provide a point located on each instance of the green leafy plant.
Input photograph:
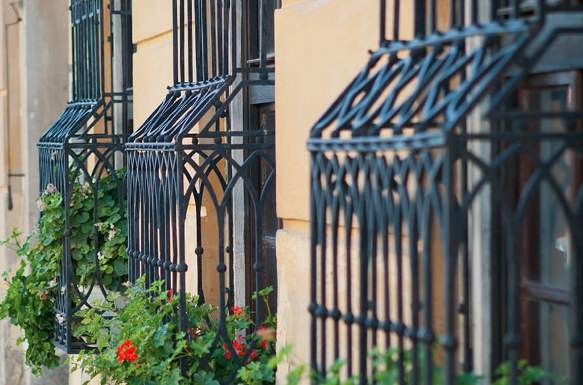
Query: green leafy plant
(386, 369)
(109, 221)
(29, 299)
(138, 341)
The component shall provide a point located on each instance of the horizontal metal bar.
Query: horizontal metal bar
(420, 140)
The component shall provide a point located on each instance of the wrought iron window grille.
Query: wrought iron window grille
(85, 143)
(189, 161)
(391, 159)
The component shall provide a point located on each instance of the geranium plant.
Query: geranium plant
(138, 341)
(29, 299)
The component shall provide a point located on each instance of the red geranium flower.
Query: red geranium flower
(239, 346)
(253, 355)
(267, 334)
(126, 352)
(237, 311)
(170, 295)
(227, 352)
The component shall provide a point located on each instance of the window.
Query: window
(81, 155)
(547, 253)
(391, 201)
(201, 169)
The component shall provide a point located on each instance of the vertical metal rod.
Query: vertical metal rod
(385, 235)
(427, 235)
(182, 42)
(220, 50)
(335, 289)
(190, 43)
(514, 9)
(433, 15)
(213, 32)
(400, 311)
(83, 54)
(349, 319)
(576, 373)
(396, 19)
(99, 26)
(101, 57)
(419, 17)
(494, 7)
(73, 10)
(225, 38)
(415, 282)
(372, 212)
(263, 12)
(453, 8)
(182, 267)
(449, 340)
(511, 337)
(198, 28)
(383, 21)
(204, 40)
(234, 36)
(175, 40)
(322, 241)
(314, 214)
(462, 13)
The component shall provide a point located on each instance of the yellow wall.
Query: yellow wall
(152, 34)
(320, 47)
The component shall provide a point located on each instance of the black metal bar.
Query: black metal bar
(419, 17)
(433, 16)
(214, 27)
(175, 53)
(182, 42)
(190, 43)
(383, 21)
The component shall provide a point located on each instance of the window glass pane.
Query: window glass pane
(554, 254)
(554, 339)
(549, 261)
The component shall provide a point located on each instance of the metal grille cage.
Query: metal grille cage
(190, 161)
(433, 141)
(82, 152)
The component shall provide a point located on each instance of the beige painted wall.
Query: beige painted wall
(11, 362)
(31, 51)
(320, 46)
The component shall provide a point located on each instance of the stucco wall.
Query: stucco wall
(320, 47)
(32, 50)
(11, 362)
(44, 86)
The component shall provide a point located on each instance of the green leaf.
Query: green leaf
(120, 267)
